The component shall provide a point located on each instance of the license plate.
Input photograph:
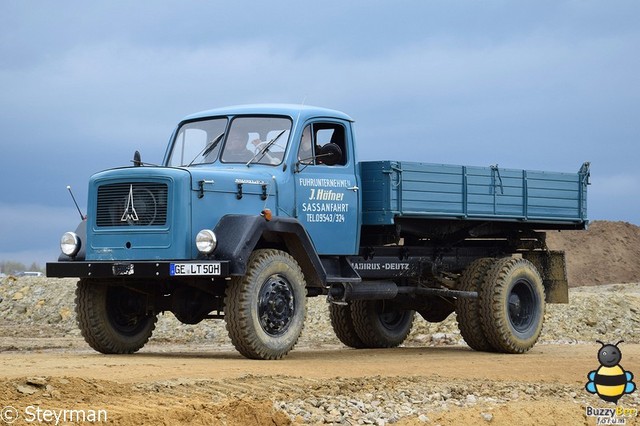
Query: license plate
(122, 269)
(180, 269)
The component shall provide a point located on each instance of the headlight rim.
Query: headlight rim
(206, 241)
(76, 244)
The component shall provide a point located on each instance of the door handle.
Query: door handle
(353, 188)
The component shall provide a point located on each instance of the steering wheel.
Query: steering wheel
(262, 144)
(273, 157)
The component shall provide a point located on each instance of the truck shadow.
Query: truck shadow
(316, 354)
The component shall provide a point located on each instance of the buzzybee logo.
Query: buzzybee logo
(610, 381)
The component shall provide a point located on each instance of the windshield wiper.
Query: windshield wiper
(264, 150)
(208, 148)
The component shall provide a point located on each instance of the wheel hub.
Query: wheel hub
(276, 305)
(515, 306)
(521, 306)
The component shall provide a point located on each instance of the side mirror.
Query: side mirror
(330, 154)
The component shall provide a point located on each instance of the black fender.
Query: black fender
(81, 232)
(238, 236)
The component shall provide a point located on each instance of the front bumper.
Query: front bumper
(142, 269)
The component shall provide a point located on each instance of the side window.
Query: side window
(306, 151)
(316, 136)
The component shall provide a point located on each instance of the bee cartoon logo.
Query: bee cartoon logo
(610, 381)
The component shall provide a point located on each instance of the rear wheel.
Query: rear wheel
(468, 310)
(512, 304)
(113, 319)
(379, 324)
(342, 323)
(266, 308)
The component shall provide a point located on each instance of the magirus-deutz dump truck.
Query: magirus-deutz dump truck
(256, 208)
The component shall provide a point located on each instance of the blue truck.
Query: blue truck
(256, 208)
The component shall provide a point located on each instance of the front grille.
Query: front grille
(132, 204)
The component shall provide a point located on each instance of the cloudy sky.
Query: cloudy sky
(541, 85)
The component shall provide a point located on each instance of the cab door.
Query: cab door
(328, 195)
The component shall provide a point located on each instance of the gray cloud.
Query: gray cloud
(540, 85)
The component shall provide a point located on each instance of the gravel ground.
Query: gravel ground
(45, 307)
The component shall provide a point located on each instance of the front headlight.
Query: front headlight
(70, 244)
(206, 241)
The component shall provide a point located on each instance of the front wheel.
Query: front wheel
(266, 308)
(512, 304)
(113, 319)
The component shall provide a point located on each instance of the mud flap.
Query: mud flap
(553, 268)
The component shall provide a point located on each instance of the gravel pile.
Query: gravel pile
(377, 400)
(383, 400)
(43, 307)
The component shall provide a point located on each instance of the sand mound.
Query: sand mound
(608, 252)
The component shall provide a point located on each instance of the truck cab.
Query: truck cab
(298, 162)
(233, 181)
(232, 161)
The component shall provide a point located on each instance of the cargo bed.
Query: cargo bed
(437, 191)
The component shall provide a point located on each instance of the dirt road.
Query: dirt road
(170, 384)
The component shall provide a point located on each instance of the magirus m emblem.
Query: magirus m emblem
(130, 213)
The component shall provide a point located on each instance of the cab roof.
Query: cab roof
(304, 112)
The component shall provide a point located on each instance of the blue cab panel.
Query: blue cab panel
(139, 213)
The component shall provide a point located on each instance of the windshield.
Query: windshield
(197, 142)
(257, 140)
